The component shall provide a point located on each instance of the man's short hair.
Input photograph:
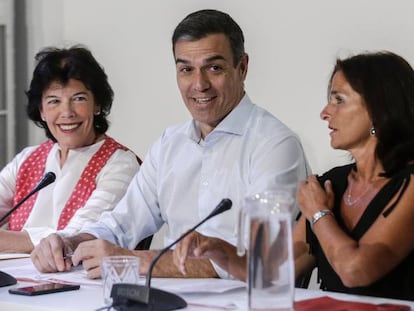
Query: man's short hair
(200, 24)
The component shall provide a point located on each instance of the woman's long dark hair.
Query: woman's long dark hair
(386, 83)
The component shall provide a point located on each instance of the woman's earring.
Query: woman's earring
(372, 131)
(97, 113)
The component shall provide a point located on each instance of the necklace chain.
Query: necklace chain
(348, 196)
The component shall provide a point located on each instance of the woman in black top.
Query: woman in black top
(357, 224)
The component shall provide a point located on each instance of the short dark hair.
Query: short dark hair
(61, 65)
(385, 81)
(199, 24)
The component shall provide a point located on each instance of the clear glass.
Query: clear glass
(270, 266)
(118, 269)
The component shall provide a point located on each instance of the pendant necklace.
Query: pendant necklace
(348, 196)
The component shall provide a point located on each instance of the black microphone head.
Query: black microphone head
(223, 206)
(46, 180)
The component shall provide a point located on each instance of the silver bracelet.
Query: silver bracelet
(318, 215)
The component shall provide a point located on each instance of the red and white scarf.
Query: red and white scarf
(32, 170)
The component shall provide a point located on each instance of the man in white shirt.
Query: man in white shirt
(231, 148)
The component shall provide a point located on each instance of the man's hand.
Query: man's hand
(222, 253)
(48, 255)
(185, 249)
(90, 253)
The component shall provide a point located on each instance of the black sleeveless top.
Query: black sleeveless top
(398, 283)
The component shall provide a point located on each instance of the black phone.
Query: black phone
(42, 289)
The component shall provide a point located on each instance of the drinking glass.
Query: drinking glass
(270, 267)
(118, 269)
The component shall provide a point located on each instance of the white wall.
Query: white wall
(292, 46)
(44, 24)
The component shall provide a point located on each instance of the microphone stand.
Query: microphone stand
(48, 178)
(143, 297)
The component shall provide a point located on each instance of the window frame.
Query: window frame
(7, 108)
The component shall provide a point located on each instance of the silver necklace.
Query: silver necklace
(348, 195)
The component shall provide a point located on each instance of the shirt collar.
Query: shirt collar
(234, 123)
(87, 150)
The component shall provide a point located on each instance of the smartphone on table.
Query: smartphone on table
(42, 289)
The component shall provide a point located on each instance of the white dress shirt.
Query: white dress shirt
(183, 178)
(111, 184)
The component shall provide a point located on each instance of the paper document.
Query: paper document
(196, 285)
(27, 273)
(77, 275)
(6, 256)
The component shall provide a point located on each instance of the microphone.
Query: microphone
(48, 178)
(143, 297)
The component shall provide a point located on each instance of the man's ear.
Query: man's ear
(244, 64)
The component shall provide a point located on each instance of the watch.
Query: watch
(318, 215)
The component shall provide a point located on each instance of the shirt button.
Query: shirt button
(205, 183)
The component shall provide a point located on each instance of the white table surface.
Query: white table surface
(89, 297)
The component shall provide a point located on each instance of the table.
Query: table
(89, 297)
